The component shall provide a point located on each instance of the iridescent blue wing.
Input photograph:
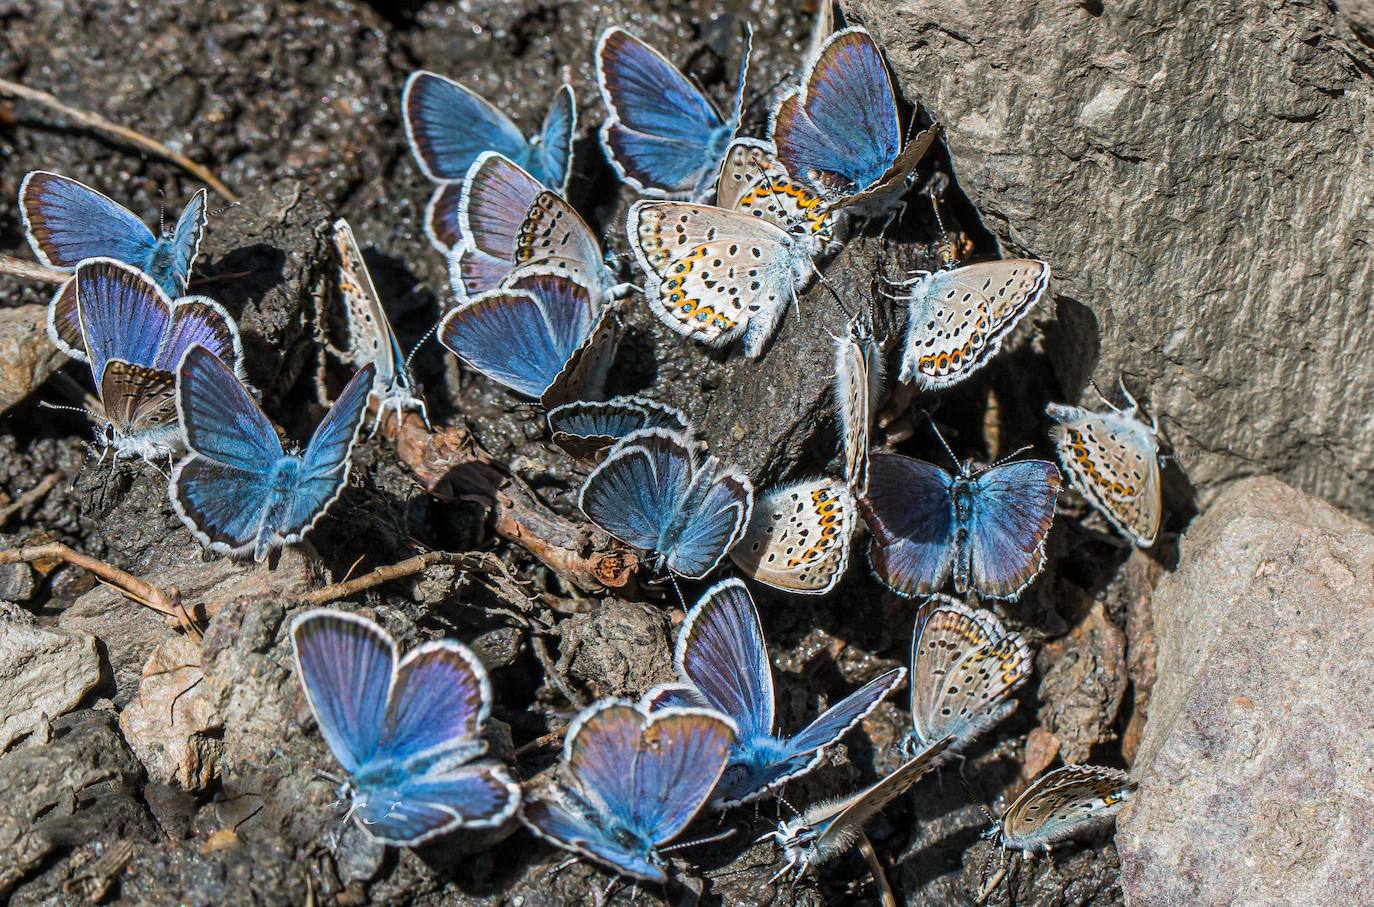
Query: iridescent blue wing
(563, 819)
(68, 222)
(64, 322)
(672, 696)
(663, 136)
(448, 126)
(345, 664)
(909, 512)
(834, 722)
(1013, 508)
(222, 488)
(200, 320)
(679, 757)
(171, 267)
(324, 469)
(522, 336)
(712, 519)
(721, 652)
(840, 131)
(599, 752)
(422, 808)
(639, 488)
(124, 315)
(439, 701)
(554, 151)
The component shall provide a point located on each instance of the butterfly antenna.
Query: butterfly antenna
(760, 95)
(678, 589)
(697, 842)
(783, 800)
(218, 211)
(1101, 396)
(1011, 456)
(161, 211)
(44, 404)
(943, 443)
(421, 342)
(977, 801)
(839, 303)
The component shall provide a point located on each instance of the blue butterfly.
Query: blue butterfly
(840, 132)
(68, 222)
(587, 429)
(508, 222)
(238, 490)
(448, 126)
(631, 783)
(986, 529)
(542, 335)
(407, 732)
(828, 829)
(723, 664)
(650, 492)
(663, 136)
(370, 337)
(133, 336)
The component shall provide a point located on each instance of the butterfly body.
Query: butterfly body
(984, 531)
(1113, 460)
(663, 136)
(964, 667)
(717, 275)
(858, 388)
(371, 338)
(630, 782)
(957, 319)
(826, 830)
(651, 492)
(406, 730)
(722, 663)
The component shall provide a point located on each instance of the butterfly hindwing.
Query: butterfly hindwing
(1013, 507)
(1062, 802)
(715, 275)
(1113, 461)
(798, 537)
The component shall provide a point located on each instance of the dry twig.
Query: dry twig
(167, 603)
(451, 465)
(875, 866)
(100, 124)
(30, 497)
(31, 270)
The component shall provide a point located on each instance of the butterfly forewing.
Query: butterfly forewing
(858, 387)
(721, 653)
(1012, 510)
(753, 182)
(1113, 460)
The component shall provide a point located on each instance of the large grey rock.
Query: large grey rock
(1255, 780)
(1196, 175)
(43, 672)
(27, 357)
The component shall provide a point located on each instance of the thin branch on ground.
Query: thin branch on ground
(553, 675)
(411, 566)
(875, 866)
(30, 497)
(31, 270)
(165, 602)
(451, 465)
(100, 124)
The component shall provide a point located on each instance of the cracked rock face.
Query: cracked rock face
(1197, 177)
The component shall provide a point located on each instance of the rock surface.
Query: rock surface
(43, 672)
(27, 357)
(1197, 176)
(1255, 771)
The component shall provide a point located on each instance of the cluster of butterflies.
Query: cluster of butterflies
(536, 312)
